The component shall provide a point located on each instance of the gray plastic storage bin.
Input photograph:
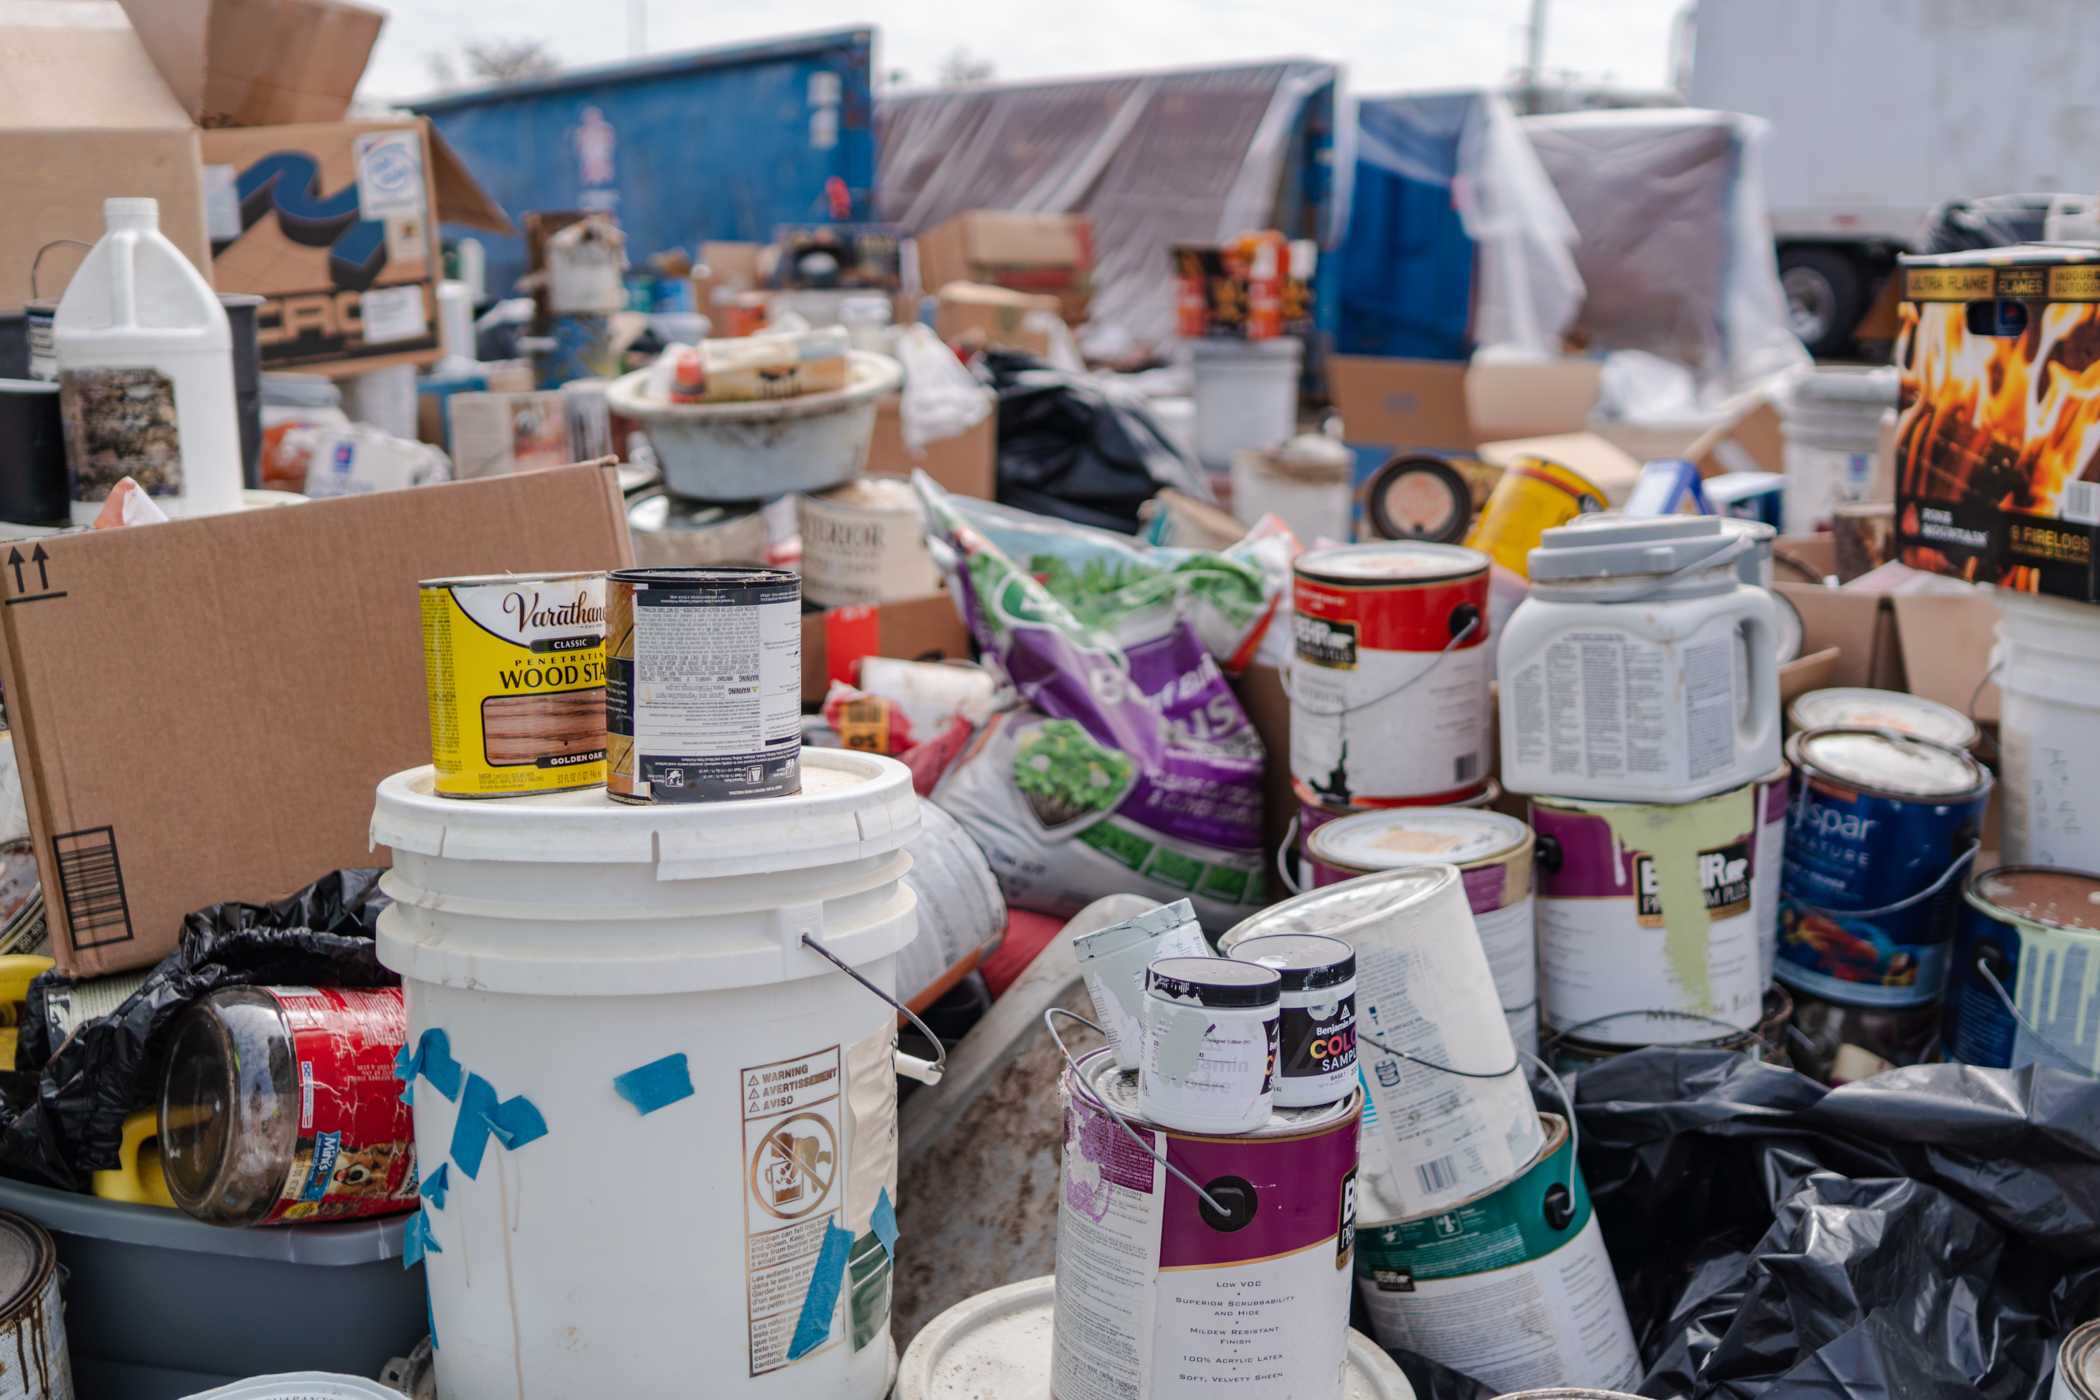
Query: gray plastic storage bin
(160, 1306)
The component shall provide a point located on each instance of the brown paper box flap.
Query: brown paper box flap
(1521, 399)
(259, 62)
(1605, 466)
(1401, 403)
(1006, 238)
(460, 197)
(1946, 642)
(79, 66)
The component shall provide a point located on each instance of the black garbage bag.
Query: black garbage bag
(68, 1121)
(1071, 449)
(1926, 1233)
(1988, 221)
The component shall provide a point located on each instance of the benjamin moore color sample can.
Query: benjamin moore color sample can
(1316, 1033)
(514, 666)
(703, 684)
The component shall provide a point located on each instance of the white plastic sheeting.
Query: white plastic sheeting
(1154, 159)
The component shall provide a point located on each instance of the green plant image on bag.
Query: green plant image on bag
(1065, 775)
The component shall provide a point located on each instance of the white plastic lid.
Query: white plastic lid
(1626, 547)
(1863, 708)
(1400, 837)
(131, 213)
(302, 1385)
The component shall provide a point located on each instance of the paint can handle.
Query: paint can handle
(1283, 856)
(2030, 1027)
(1920, 897)
(1079, 1084)
(1472, 624)
(1975, 697)
(910, 1066)
(1567, 1101)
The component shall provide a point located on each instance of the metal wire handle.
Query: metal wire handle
(1975, 696)
(38, 261)
(1733, 547)
(1663, 1013)
(2030, 1027)
(1283, 869)
(1473, 624)
(1079, 1083)
(933, 1072)
(1928, 892)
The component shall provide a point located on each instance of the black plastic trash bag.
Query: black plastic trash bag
(67, 1119)
(1927, 1233)
(1070, 449)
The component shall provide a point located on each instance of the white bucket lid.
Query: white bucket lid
(852, 805)
(302, 1385)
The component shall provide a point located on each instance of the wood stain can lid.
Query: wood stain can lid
(1217, 984)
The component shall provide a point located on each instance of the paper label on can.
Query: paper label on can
(1599, 704)
(1316, 1043)
(795, 1160)
(1509, 937)
(1206, 1065)
(871, 1171)
(514, 673)
(356, 1151)
(119, 423)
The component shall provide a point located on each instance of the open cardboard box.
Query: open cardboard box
(1046, 254)
(913, 629)
(966, 464)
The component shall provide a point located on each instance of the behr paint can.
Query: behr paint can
(1210, 1044)
(1390, 639)
(1878, 822)
(1493, 855)
(1316, 1027)
(1423, 988)
(1647, 925)
(514, 670)
(703, 684)
(2034, 931)
(1767, 864)
(1767, 1044)
(2078, 1364)
(1452, 1285)
(1158, 1295)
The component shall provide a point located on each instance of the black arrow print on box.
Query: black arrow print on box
(43, 577)
(38, 557)
(14, 561)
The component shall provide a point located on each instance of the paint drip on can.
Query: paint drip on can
(1450, 1285)
(1210, 1044)
(1390, 639)
(703, 684)
(2025, 983)
(1158, 1294)
(30, 1309)
(2078, 1364)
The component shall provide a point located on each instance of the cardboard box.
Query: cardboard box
(1048, 254)
(1448, 405)
(1587, 455)
(258, 62)
(726, 270)
(498, 434)
(202, 709)
(968, 313)
(1752, 441)
(916, 629)
(966, 464)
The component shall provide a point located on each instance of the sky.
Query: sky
(1385, 45)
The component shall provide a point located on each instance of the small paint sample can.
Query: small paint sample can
(1858, 707)
(2024, 987)
(1866, 912)
(2078, 1364)
(703, 684)
(1316, 1027)
(1113, 960)
(514, 669)
(1210, 1044)
(1533, 496)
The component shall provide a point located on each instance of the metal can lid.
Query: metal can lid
(1340, 910)
(1214, 983)
(1119, 1090)
(706, 576)
(508, 580)
(1898, 764)
(2079, 1360)
(27, 1257)
(1408, 561)
(1307, 962)
(2039, 894)
(1117, 937)
(1399, 837)
(1859, 707)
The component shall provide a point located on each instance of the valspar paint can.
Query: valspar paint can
(2029, 935)
(1210, 1044)
(1880, 824)
(32, 1321)
(865, 543)
(1390, 639)
(514, 667)
(1316, 1025)
(1161, 1297)
(2078, 1365)
(1493, 855)
(1511, 1285)
(1647, 934)
(1423, 989)
(1858, 707)
(703, 684)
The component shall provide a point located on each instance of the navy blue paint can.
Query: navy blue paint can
(2025, 984)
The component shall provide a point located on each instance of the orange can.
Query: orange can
(1533, 496)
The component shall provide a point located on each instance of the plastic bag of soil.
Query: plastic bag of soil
(66, 1118)
(1928, 1233)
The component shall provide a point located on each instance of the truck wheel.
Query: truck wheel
(1825, 297)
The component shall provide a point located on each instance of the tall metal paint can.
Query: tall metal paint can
(2030, 936)
(1881, 825)
(1423, 988)
(1493, 855)
(1512, 1285)
(30, 1310)
(1647, 922)
(2078, 1364)
(1767, 1044)
(1157, 1294)
(1390, 640)
(1767, 862)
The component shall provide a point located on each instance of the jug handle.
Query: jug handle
(1760, 629)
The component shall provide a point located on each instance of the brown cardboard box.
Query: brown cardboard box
(1752, 441)
(1521, 399)
(1049, 254)
(726, 269)
(1606, 467)
(1448, 405)
(258, 62)
(916, 629)
(968, 313)
(966, 464)
(201, 709)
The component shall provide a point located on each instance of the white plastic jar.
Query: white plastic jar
(1640, 668)
(1210, 1044)
(1316, 1025)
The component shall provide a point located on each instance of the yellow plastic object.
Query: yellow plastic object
(137, 1179)
(1532, 497)
(17, 971)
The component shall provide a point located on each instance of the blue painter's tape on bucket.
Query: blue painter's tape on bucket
(656, 1084)
(813, 1328)
(417, 1240)
(436, 1185)
(513, 1122)
(884, 1223)
(432, 1059)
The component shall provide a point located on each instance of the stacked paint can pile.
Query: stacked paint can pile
(1640, 713)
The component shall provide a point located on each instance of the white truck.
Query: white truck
(1883, 109)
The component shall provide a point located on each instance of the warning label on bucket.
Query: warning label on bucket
(793, 1170)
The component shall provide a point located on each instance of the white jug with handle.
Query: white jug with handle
(145, 373)
(1640, 668)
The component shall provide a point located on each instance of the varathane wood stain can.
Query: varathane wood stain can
(515, 670)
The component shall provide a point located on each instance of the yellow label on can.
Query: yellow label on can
(515, 673)
(1949, 283)
(2080, 283)
(1533, 496)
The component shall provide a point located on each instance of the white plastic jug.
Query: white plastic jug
(145, 371)
(1639, 669)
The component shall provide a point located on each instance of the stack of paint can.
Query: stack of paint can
(1640, 713)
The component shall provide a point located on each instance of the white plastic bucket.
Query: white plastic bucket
(1246, 396)
(561, 942)
(2049, 715)
(302, 1385)
(1831, 423)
